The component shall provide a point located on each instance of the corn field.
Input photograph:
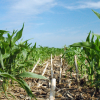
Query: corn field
(79, 63)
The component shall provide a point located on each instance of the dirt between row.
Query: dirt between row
(66, 90)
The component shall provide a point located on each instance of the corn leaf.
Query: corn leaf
(97, 42)
(32, 75)
(8, 76)
(88, 37)
(24, 52)
(86, 44)
(18, 35)
(3, 32)
(92, 38)
(97, 14)
(1, 60)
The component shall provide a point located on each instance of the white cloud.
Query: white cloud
(19, 11)
(84, 5)
(32, 6)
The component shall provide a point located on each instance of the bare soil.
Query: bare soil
(68, 89)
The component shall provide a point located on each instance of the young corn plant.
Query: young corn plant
(10, 64)
(92, 50)
(69, 56)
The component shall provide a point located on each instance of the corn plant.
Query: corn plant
(69, 54)
(10, 64)
(92, 50)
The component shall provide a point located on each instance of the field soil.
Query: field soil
(67, 89)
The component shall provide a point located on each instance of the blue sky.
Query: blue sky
(52, 23)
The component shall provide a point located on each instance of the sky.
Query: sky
(52, 23)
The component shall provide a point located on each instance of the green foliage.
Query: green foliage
(14, 59)
(92, 51)
(17, 59)
(89, 57)
(69, 56)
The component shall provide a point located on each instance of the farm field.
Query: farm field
(28, 73)
(66, 90)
